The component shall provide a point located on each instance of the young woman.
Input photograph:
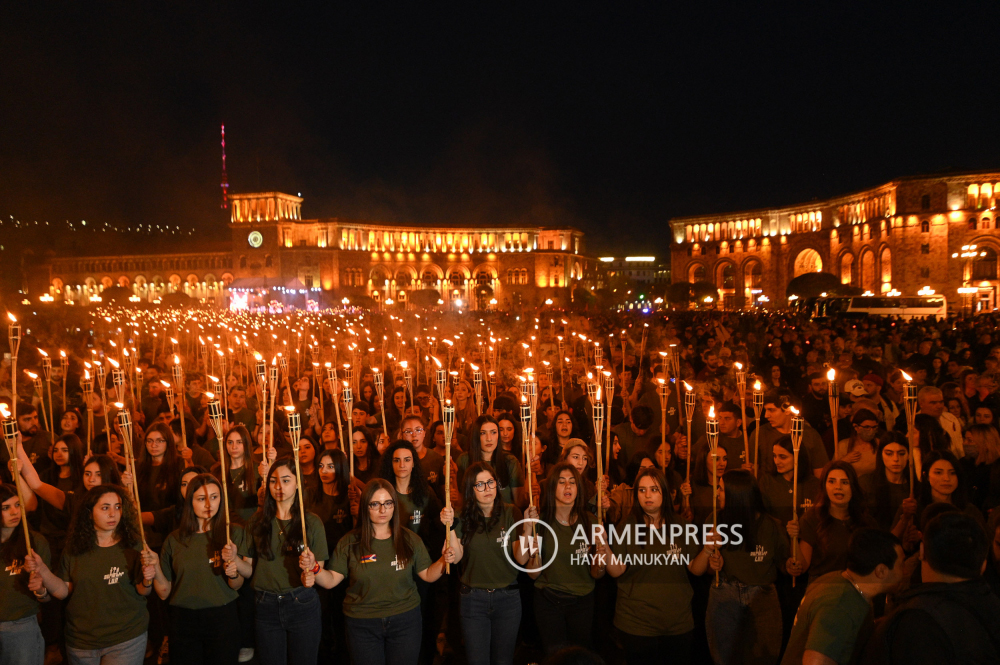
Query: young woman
(743, 621)
(395, 407)
(65, 476)
(826, 528)
(288, 620)
(943, 483)
(860, 448)
(381, 560)
(564, 591)
(485, 447)
(510, 435)
(776, 486)
(72, 423)
(489, 602)
(102, 577)
(366, 455)
(308, 468)
(241, 476)
(563, 429)
(158, 469)
(414, 430)
(465, 413)
(581, 457)
(621, 495)
(888, 486)
(198, 571)
(701, 491)
(21, 639)
(653, 608)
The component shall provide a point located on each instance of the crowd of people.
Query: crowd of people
(369, 536)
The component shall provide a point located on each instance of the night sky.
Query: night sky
(612, 117)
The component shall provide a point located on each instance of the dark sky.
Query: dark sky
(610, 116)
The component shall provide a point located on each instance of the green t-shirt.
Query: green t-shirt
(777, 494)
(654, 592)
(197, 571)
(433, 465)
(335, 512)
(104, 608)
(757, 566)
(424, 520)
(833, 619)
(377, 586)
(569, 571)
(829, 552)
(16, 601)
(484, 565)
(282, 573)
(513, 473)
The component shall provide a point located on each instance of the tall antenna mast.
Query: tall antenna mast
(225, 178)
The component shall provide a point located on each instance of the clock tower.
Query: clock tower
(256, 222)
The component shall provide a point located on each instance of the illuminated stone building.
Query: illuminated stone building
(904, 235)
(333, 258)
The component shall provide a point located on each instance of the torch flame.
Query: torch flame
(756, 386)
(209, 395)
(31, 375)
(164, 383)
(4, 411)
(906, 377)
(711, 412)
(119, 405)
(687, 386)
(13, 319)
(831, 375)
(43, 353)
(739, 365)
(62, 354)
(795, 411)
(114, 363)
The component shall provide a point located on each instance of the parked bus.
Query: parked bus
(904, 307)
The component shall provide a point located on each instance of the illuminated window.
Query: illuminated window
(925, 226)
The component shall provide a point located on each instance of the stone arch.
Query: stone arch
(379, 275)
(123, 280)
(847, 268)
(725, 276)
(192, 279)
(57, 284)
(868, 269)
(107, 282)
(696, 272)
(458, 276)
(140, 280)
(753, 274)
(175, 281)
(806, 261)
(406, 277)
(485, 275)
(227, 278)
(885, 268)
(430, 275)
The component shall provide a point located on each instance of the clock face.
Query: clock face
(255, 239)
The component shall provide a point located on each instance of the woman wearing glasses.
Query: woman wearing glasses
(378, 559)
(489, 601)
(289, 622)
(861, 447)
(486, 448)
(415, 431)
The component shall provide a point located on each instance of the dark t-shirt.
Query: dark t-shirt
(833, 619)
(829, 552)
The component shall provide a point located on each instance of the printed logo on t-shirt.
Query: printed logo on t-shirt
(397, 565)
(15, 568)
(113, 576)
(339, 516)
(759, 553)
(432, 477)
(806, 505)
(671, 411)
(674, 550)
(368, 558)
(216, 560)
(582, 548)
(415, 517)
(503, 536)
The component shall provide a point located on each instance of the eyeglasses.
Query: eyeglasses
(482, 485)
(419, 430)
(867, 427)
(156, 440)
(380, 505)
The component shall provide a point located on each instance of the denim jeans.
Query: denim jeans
(564, 620)
(490, 620)
(743, 624)
(21, 642)
(391, 640)
(130, 652)
(209, 636)
(289, 627)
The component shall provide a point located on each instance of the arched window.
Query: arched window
(403, 279)
(727, 277)
(985, 224)
(925, 226)
(985, 265)
(268, 261)
(972, 223)
(429, 278)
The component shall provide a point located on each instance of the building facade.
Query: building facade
(915, 232)
(467, 267)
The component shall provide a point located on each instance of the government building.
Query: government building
(936, 232)
(276, 256)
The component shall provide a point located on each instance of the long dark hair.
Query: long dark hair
(75, 463)
(702, 473)
(635, 465)
(516, 443)
(110, 475)
(666, 507)
(473, 520)
(189, 523)
(419, 489)
(553, 449)
(856, 509)
(500, 455)
(169, 475)
(248, 465)
(805, 467)
(82, 536)
(879, 499)
(15, 547)
(371, 454)
(366, 530)
(959, 497)
(263, 519)
(549, 487)
(744, 507)
(340, 470)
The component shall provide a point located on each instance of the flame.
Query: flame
(687, 387)
(795, 411)
(114, 363)
(289, 409)
(86, 374)
(177, 359)
(31, 375)
(215, 379)
(756, 386)
(4, 411)
(13, 319)
(739, 366)
(209, 395)
(598, 393)
(43, 353)
(62, 354)
(711, 412)
(119, 405)
(257, 356)
(906, 377)
(164, 383)
(374, 370)
(328, 365)
(831, 375)
(661, 381)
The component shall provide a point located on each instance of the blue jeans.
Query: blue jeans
(130, 652)
(392, 640)
(490, 619)
(21, 642)
(289, 627)
(743, 624)
(564, 620)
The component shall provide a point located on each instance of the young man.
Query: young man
(953, 617)
(635, 434)
(778, 413)
(835, 618)
(239, 412)
(730, 422)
